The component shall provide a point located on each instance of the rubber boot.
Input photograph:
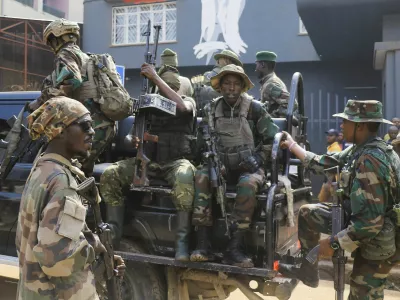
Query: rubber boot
(115, 218)
(203, 246)
(182, 236)
(234, 254)
(306, 272)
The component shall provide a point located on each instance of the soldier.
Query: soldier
(170, 58)
(204, 93)
(68, 80)
(273, 91)
(173, 149)
(369, 176)
(54, 245)
(242, 124)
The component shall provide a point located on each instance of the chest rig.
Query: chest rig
(236, 141)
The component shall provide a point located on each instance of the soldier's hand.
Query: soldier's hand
(251, 164)
(325, 249)
(135, 142)
(120, 266)
(148, 71)
(286, 141)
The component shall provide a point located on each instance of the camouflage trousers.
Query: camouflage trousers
(102, 138)
(117, 178)
(368, 278)
(245, 202)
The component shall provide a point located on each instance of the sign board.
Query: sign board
(121, 72)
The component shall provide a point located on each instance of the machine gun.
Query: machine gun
(339, 259)
(105, 269)
(214, 163)
(140, 174)
(17, 145)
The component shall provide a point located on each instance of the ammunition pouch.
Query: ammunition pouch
(172, 146)
(382, 246)
(231, 160)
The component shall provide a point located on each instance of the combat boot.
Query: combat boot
(234, 254)
(182, 236)
(115, 218)
(306, 272)
(202, 252)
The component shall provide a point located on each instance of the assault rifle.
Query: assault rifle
(17, 145)
(105, 269)
(214, 164)
(339, 259)
(140, 131)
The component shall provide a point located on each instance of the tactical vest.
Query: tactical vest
(236, 141)
(384, 244)
(176, 138)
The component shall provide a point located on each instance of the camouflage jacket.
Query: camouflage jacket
(370, 185)
(54, 256)
(68, 66)
(275, 95)
(261, 125)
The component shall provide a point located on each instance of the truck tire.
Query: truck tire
(142, 281)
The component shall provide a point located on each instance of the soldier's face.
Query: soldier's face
(223, 61)
(260, 69)
(348, 130)
(231, 87)
(79, 138)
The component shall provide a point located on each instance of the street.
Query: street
(324, 291)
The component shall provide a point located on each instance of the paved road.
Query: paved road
(325, 291)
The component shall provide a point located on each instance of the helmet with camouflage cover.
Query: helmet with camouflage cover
(361, 111)
(68, 30)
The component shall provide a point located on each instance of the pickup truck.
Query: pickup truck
(150, 223)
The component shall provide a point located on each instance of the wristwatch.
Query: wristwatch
(334, 244)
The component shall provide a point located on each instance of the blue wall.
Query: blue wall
(264, 24)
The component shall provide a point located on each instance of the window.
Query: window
(129, 22)
(302, 28)
(26, 2)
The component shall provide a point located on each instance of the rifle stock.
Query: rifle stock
(105, 269)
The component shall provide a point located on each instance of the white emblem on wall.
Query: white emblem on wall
(220, 28)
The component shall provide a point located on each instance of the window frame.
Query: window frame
(138, 24)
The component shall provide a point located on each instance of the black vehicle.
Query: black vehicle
(150, 223)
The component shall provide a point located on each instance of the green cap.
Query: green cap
(169, 57)
(363, 111)
(229, 54)
(266, 56)
(231, 69)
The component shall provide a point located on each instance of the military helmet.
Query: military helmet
(59, 28)
(363, 111)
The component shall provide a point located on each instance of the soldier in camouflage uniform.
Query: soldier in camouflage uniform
(246, 132)
(170, 58)
(67, 80)
(169, 160)
(203, 91)
(273, 91)
(54, 245)
(369, 177)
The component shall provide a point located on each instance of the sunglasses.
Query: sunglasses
(86, 126)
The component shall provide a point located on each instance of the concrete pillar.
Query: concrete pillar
(40, 5)
(387, 59)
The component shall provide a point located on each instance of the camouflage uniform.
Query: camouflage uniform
(370, 186)
(262, 131)
(275, 95)
(54, 256)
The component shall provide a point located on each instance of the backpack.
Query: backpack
(103, 85)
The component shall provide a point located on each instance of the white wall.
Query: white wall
(13, 8)
(75, 12)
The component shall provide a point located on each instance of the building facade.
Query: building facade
(43, 9)
(198, 29)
